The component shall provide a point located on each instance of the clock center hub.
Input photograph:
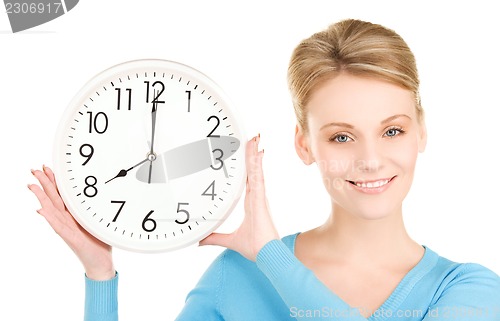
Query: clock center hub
(151, 157)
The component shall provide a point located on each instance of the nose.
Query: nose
(369, 157)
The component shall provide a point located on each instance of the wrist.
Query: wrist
(261, 245)
(100, 274)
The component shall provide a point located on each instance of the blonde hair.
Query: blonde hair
(350, 46)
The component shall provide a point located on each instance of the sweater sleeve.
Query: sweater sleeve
(101, 300)
(305, 295)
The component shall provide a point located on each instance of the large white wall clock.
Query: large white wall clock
(149, 156)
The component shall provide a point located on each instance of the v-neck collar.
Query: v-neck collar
(401, 292)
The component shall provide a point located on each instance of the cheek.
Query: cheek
(335, 165)
(404, 156)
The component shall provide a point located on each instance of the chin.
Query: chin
(373, 214)
(369, 210)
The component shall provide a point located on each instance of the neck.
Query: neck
(345, 237)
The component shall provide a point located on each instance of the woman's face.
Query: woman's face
(364, 136)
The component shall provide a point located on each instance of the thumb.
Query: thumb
(219, 239)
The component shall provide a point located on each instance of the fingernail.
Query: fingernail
(259, 135)
(33, 171)
(29, 187)
(44, 167)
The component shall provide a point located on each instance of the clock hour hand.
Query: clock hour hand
(123, 172)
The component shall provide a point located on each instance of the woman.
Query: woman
(355, 91)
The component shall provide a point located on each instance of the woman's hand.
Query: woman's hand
(257, 228)
(95, 255)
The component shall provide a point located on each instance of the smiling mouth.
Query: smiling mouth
(372, 184)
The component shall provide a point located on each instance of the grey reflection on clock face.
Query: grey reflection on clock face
(189, 159)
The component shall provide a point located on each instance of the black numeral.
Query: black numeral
(179, 210)
(88, 155)
(216, 125)
(155, 95)
(212, 188)
(119, 210)
(98, 126)
(188, 92)
(129, 104)
(90, 190)
(149, 220)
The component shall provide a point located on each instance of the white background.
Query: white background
(244, 46)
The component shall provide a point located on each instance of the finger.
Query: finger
(255, 173)
(49, 189)
(42, 197)
(48, 211)
(253, 163)
(63, 226)
(251, 149)
(219, 239)
(50, 174)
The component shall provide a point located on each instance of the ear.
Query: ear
(302, 146)
(422, 137)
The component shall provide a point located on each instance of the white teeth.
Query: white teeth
(374, 184)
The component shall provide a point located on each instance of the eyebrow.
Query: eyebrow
(385, 121)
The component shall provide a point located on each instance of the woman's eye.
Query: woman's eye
(340, 138)
(391, 132)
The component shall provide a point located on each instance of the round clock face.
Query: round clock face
(149, 156)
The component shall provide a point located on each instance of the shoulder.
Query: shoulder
(465, 281)
(475, 277)
(455, 272)
(289, 241)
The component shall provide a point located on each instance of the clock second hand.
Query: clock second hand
(123, 172)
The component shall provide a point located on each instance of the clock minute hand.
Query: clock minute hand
(153, 125)
(123, 172)
(153, 128)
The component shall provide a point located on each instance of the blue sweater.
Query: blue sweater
(279, 287)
